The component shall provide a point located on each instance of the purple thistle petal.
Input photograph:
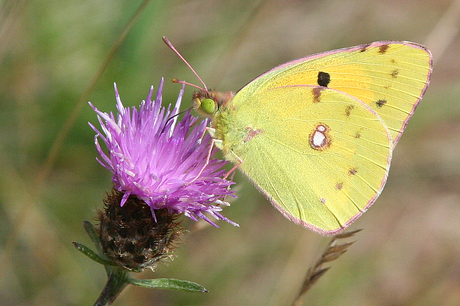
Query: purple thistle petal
(159, 160)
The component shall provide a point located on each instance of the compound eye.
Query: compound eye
(208, 106)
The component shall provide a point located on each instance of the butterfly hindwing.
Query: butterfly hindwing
(320, 156)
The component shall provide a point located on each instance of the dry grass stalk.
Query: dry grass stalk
(332, 252)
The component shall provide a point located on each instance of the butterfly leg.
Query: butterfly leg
(217, 143)
(231, 171)
(206, 130)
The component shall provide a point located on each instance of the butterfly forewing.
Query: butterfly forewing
(390, 77)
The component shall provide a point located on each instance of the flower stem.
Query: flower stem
(116, 282)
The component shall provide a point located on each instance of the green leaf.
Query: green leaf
(89, 227)
(90, 253)
(168, 283)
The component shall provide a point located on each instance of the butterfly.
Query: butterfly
(316, 135)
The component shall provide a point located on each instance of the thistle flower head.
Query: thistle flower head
(161, 160)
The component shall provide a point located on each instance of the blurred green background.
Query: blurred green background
(50, 53)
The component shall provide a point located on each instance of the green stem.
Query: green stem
(116, 282)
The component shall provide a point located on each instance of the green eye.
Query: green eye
(208, 106)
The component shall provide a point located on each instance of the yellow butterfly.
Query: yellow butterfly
(316, 134)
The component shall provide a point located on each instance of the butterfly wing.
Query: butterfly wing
(319, 155)
(390, 77)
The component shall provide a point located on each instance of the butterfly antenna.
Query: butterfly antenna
(170, 45)
(189, 84)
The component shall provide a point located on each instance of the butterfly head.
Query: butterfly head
(207, 103)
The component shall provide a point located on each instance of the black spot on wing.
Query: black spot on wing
(383, 49)
(352, 171)
(364, 47)
(317, 94)
(324, 78)
(380, 103)
(348, 110)
(394, 73)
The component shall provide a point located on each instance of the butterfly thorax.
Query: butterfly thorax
(219, 107)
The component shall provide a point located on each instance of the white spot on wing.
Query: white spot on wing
(319, 139)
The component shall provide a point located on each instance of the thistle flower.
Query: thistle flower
(162, 161)
(160, 171)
